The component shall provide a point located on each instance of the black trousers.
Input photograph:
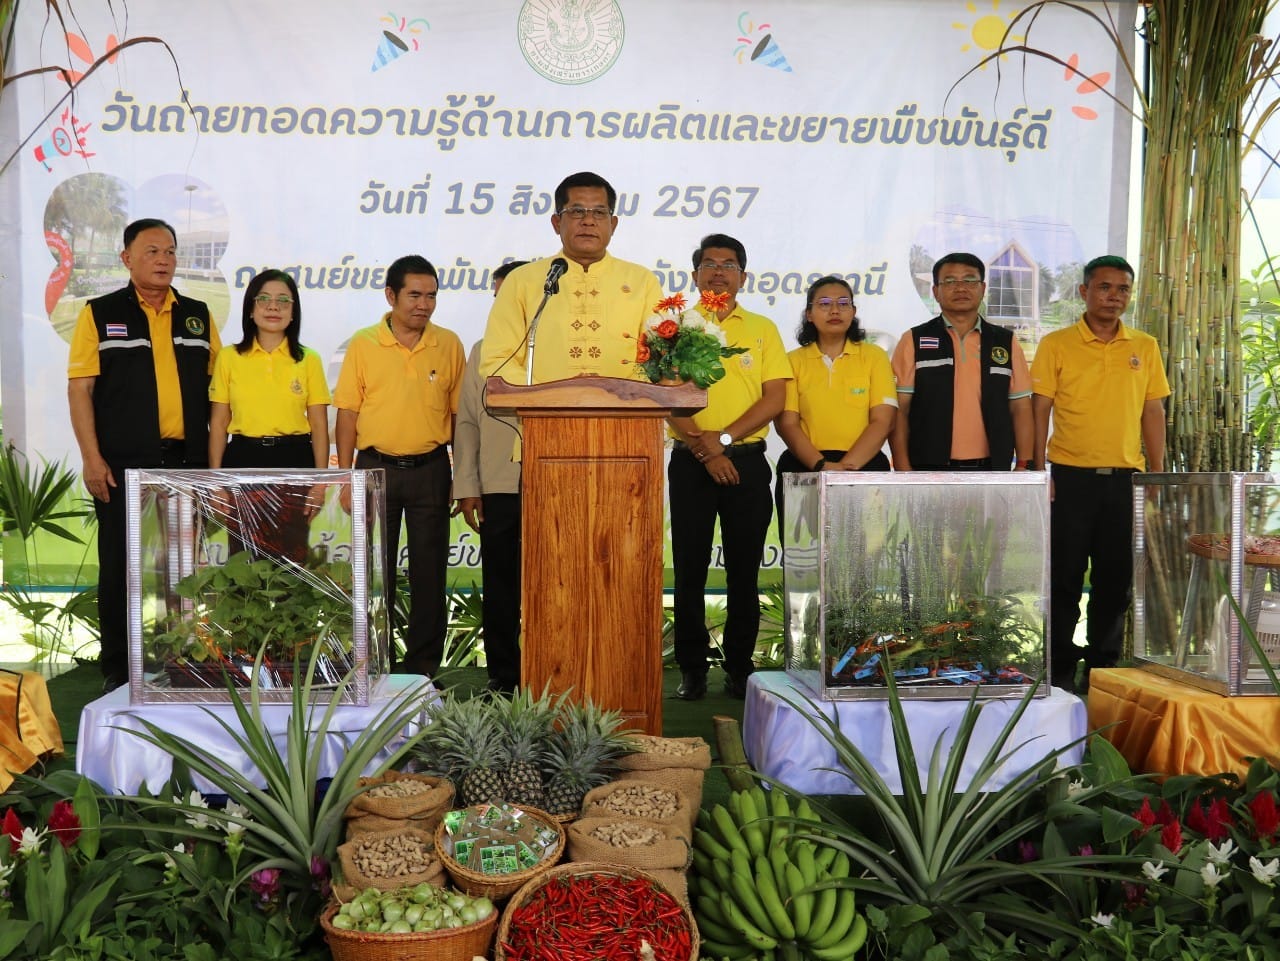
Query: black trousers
(788, 463)
(744, 511)
(418, 497)
(500, 567)
(1090, 526)
(113, 589)
(266, 521)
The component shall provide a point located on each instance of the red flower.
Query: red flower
(1196, 819)
(714, 302)
(642, 352)
(1171, 836)
(1165, 815)
(1266, 820)
(13, 828)
(64, 823)
(1220, 820)
(667, 329)
(1146, 817)
(674, 302)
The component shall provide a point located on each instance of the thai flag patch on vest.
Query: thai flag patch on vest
(928, 343)
(117, 330)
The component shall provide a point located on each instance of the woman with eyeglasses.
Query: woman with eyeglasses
(269, 393)
(841, 405)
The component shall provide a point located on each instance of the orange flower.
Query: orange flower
(667, 329)
(713, 301)
(674, 302)
(642, 352)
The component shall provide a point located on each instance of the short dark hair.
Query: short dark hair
(959, 257)
(584, 178)
(721, 240)
(500, 273)
(1107, 260)
(250, 329)
(409, 264)
(807, 332)
(146, 223)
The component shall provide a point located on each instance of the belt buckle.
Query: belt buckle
(404, 463)
(269, 441)
(1106, 471)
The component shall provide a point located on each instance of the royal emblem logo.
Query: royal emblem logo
(999, 355)
(570, 41)
(194, 325)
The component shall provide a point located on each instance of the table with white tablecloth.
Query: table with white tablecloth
(111, 754)
(782, 742)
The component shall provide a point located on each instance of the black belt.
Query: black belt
(749, 447)
(1105, 471)
(172, 443)
(406, 461)
(971, 462)
(284, 440)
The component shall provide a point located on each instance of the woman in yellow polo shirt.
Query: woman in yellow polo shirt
(269, 393)
(841, 405)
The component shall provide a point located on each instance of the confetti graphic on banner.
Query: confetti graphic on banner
(79, 47)
(763, 50)
(987, 31)
(399, 38)
(1089, 83)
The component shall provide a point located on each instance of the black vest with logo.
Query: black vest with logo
(932, 403)
(126, 405)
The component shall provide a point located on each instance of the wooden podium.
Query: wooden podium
(592, 503)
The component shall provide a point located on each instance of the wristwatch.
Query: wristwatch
(726, 439)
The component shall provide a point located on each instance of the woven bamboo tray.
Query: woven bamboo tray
(497, 886)
(522, 896)
(449, 944)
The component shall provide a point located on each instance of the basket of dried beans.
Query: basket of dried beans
(590, 910)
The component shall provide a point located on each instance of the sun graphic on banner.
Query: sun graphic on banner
(987, 30)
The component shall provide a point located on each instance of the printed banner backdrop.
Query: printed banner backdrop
(329, 138)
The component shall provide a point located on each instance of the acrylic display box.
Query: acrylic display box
(223, 564)
(942, 578)
(1207, 551)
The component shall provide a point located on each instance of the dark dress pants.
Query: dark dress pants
(500, 566)
(270, 522)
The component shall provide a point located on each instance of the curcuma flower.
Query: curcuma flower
(265, 884)
(1103, 920)
(1074, 788)
(1211, 875)
(30, 841)
(235, 811)
(1221, 853)
(1265, 873)
(1154, 872)
(195, 800)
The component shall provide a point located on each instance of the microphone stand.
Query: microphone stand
(533, 336)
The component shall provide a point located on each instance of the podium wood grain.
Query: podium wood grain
(592, 505)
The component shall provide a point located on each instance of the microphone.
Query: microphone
(559, 267)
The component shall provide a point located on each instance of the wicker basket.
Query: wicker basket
(449, 944)
(498, 886)
(522, 896)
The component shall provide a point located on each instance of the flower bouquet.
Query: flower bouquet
(681, 344)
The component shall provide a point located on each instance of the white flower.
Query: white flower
(1221, 853)
(1265, 873)
(5, 871)
(1103, 920)
(235, 811)
(197, 801)
(30, 841)
(1211, 875)
(1154, 872)
(1076, 787)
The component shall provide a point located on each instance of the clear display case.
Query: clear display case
(1206, 567)
(226, 564)
(942, 578)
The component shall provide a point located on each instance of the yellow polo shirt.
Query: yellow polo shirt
(589, 327)
(744, 374)
(834, 399)
(268, 391)
(405, 398)
(1098, 391)
(82, 360)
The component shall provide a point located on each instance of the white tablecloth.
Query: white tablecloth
(782, 742)
(110, 754)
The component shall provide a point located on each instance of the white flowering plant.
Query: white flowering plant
(680, 343)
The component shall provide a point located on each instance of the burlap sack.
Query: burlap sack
(677, 762)
(675, 882)
(601, 802)
(421, 811)
(671, 850)
(354, 876)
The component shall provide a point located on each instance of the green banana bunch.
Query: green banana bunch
(749, 880)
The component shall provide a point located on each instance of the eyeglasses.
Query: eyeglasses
(950, 283)
(711, 265)
(262, 300)
(581, 213)
(826, 303)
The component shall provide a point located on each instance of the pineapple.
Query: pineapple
(460, 740)
(582, 754)
(482, 778)
(527, 723)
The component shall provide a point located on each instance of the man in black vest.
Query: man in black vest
(964, 390)
(138, 388)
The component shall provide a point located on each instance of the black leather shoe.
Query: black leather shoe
(735, 687)
(692, 686)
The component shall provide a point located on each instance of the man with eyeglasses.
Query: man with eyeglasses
(718, 469)
(590, 326)
(138, 388)
(397, 397)
(964, 390)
